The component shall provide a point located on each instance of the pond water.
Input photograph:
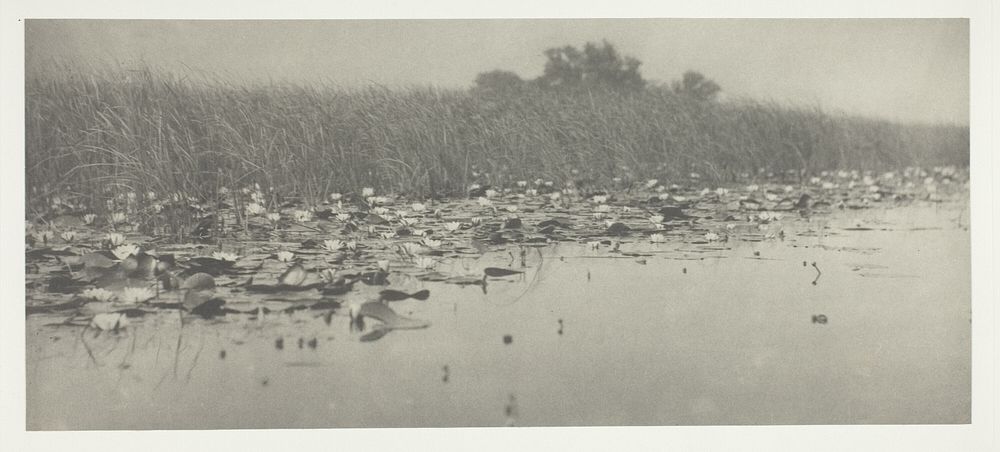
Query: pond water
(855, 317)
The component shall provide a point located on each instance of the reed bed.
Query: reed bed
(93, 134)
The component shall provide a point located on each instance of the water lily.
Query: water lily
(431, 243)
(531, 192)
(124, 251)
(118, 217)
(476, 221)
(603, 208)
(522, 183)
(407, 221)
(302, 216)
(424, 262)
(89, 218)
(420, 232)
(651, 183)
(274, 217)
(626, 209)
(730, 227)
(136, 294)
(452, 226)
(484, 202)
(409, 248)
(815, 180)
(255, 209)
(383, 265)
(721, 191)
(225, 256)
(599, 199)
(418, 207)
(109, 321)
(789, 188)
(333, 245)
(753, 187)
(695, 176)
(367, 192)
(711, 236)
(829, 185)
(343, 217)
(98, 294)
(44, 236)
(285, 256)
(656, 219)
(657, 238)
(380, 211)
(600, 215)
(114, 239)
(771, 197)
(336, 196)
(388, 235)
(352, 245)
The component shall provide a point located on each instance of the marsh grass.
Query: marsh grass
(96, 133)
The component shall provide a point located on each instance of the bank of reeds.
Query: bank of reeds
(96, 133)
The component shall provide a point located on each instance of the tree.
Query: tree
(695, 85)
(499, 81)
(596, 66)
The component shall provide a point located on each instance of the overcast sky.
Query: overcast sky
(902, 69)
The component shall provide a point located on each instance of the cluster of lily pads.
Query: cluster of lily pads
(268, 253)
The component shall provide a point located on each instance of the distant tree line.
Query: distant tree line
(597, 66)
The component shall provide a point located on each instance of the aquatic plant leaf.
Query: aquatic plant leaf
(109, 321)
(294, 276)
(499, 272)
(96, 260)
(396, 295)
(389, 318)
(199, 281)
(618, 229)
(375, 334)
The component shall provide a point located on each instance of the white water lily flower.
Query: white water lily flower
(255, 209)
(491, 193)
(651, 183)
(285, 256)
(721, 191)
(452, 226)
(274, 217)
(602, 208)
(511, 208)
(659, 227)
(225, 256)
(531, 192)
(388, 235)
(109, 321)
(711, 236)
(336, 196)
(123, 251)
(383, 265)
(424, 262)
(68, 236)
(474, 187)
(420, 232)
(771, 197)
(599, 199)
(547, 183)
(730, 227)
(522, 183)
(431, 243)
(695, 176)
(89, 218)
(407, 221)
(815, 180)
(44, 236)
(118, 217)
(705, 191)
(352, 245)
(367, 192)
(333, 245)
(476, 221)
(484, 202)
(829, 185)
(115, 239)
(136, 294)
(789, 188)
(409, 248)
(656, 219)
(343, 217)
(302, 216)
(657, 238)
(753, 187)
(599, 215)
(418, 207)
(98, 294)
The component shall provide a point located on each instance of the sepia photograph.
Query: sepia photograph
(391, 223)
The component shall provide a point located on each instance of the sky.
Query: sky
(909, 70)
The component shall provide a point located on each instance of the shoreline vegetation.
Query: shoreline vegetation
(95, 134)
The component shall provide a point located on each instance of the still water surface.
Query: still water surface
(694, 335)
